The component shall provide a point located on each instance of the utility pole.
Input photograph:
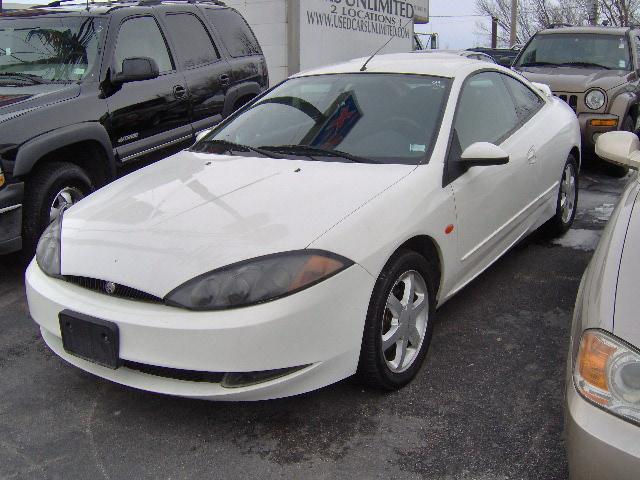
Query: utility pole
(513, 37)
(494, 32)
(593, 12)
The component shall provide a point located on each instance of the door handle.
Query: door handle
(531, 156)
(179, 91)
(224, 80)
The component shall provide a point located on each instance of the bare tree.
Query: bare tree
(534, 15)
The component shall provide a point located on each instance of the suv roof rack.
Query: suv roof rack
(160, 2)
(60, 3)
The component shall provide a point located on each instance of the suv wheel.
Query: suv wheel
(54, 186)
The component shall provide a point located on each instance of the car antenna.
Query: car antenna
(364, 66)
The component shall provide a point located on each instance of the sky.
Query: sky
(461, 32)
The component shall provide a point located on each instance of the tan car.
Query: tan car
(595, 70)
(602, 410)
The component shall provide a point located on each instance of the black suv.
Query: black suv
(89, 91)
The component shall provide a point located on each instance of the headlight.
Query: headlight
(607, 373)
(258, 280)
(48, 249)
(594, 99)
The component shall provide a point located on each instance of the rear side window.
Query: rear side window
(235, 32)
(192, 40)
(141, 37)
(527, 102)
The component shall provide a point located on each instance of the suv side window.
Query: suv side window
(237, 35)
(195, 46)
(141, 37)
(527, 102)
(485, 111)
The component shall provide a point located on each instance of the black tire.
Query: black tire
(619, 171)
(373, 369)
(41, 190)
(558, 224)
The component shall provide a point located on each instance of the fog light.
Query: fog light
(244, 379)
(2, 180)
(604, 122)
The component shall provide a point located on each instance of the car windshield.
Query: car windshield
(48, 49)
(609, 52)
(372, 117)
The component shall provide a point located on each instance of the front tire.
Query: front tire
(54, 186)
(399, 322)
(567, 203)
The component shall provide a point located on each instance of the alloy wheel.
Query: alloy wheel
(568, 192)
(405, 320)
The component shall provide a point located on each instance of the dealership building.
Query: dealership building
(300, 34)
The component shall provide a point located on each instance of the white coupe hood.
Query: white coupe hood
(191, 213)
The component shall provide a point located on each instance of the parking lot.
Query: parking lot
(487, 403)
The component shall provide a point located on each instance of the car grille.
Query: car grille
(117, 290)
(572, 100)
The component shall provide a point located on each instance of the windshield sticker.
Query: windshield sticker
(417, 147)
(7, 51)
(622, 64)
(621, 44)
(78, 71)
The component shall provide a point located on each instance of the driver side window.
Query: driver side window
(485, 111)
(141, 37)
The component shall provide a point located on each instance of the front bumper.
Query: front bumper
(589, 132)
(320, 327)
(599, 444)
(11, 217)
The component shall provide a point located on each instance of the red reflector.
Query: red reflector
(449, 229)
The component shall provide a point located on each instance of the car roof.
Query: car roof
(593, 29)
(446, 65)
(79, 7)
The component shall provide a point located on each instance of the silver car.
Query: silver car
(603, 368)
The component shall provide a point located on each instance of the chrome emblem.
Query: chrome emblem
(110, 288)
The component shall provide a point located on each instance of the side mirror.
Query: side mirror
(481, 154)
(622, 148)
(135, 69)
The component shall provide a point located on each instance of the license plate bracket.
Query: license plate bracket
(90, 338)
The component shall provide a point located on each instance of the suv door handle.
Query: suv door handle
(531, 156)
(179, 91)
(224, 80)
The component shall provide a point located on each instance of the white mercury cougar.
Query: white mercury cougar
(310, 236)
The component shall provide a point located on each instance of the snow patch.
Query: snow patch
(604, 211)
(579, 239)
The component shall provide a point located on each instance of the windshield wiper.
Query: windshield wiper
(585, 64)
(539, 64)
(237, 147)
(309, 150)
(35, 79)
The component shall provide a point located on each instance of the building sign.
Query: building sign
(336, 30)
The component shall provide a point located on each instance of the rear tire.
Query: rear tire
(399, 322)
(567, 202)
(53, 185)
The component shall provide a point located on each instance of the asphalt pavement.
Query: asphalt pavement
(487, 403)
